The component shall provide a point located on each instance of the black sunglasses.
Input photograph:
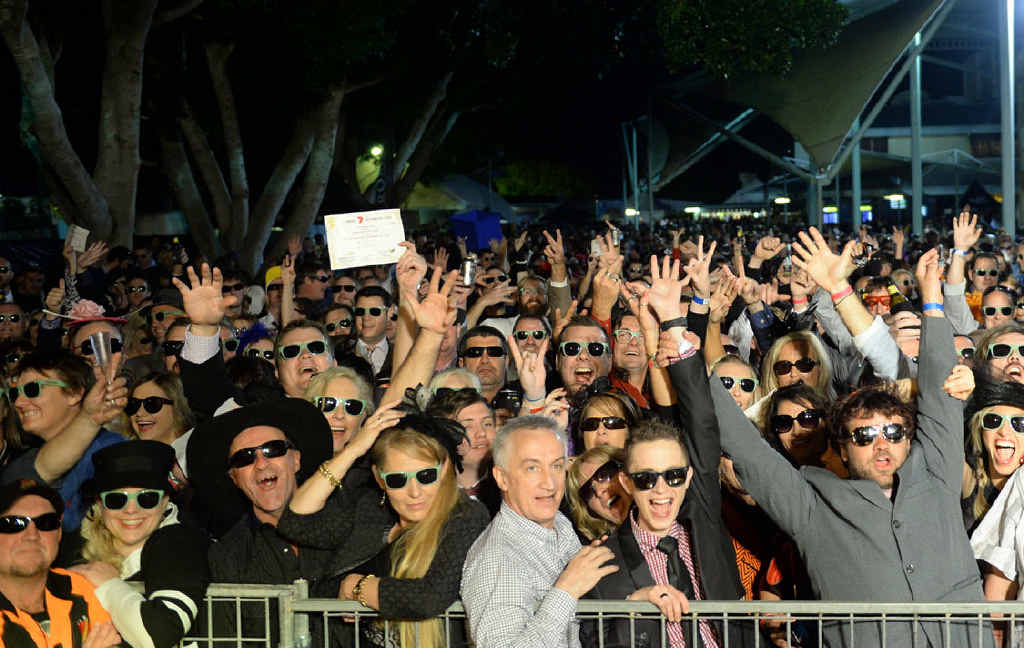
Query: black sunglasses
(135, 289)
(231, 345)
(162, 315)
(967, 352)
(13, 318)
(490, 280)
(374, 311)
(993, 421)
(809, 418)
(982, 273)
(147, 340)
(172, 348)
(153, 404)
(524, 335)
(321, 278)
(316, 347)
(398, 480)
(146, 499)
(257, 353)
(269, 450)
(746, 384)
(346, 287)
(225, 289)
(602, 475)
(328, 404)
(85, 348)
(18, 523)
(5, 269)
(331, 327)
(609, 423)
(803, 365)
(647, 479)
(990, 311)
(573, 349)
(865, 436)
(13, 358)
(477, 352)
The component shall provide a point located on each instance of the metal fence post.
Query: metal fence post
(295, 627)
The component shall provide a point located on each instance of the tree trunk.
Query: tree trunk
(419, 127)
(431, 142)
(318, 173)
(176, 167)
(234, 232)
(345, 155)
(274, 193)
(87, 202)
(209, 171)
(127, 25)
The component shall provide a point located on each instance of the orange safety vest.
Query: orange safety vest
(73, 609)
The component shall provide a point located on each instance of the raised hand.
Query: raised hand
(556, 406)
(91, 255)
(828, 269)
(294, 245)
(801, 285)
(55, 297)
(530, 365)
(750, 290)
(441, 258)
(386, 416)
(204, 302)
(497, 293)
(929, 281)
(666, 289)
(965, 230)
(554, 250)
(107, 398)
(723, 297)
(520, 240)
(699, 268)
(288, 270)
(768, 247)
(561, 321)
(410, 270)
(434, 313)
(770, 293)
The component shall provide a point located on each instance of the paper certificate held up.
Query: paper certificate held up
(364, 238)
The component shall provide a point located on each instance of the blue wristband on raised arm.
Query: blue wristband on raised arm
(930, 306)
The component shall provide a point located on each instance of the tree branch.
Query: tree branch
(174, 163)
(345, 156)
(419, 127)
(424, 153)
(48, 122)
(182, 10)
(209, 170)
(217, 55)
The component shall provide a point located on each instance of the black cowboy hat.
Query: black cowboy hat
(989, 392)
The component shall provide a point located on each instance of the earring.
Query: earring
(384, 498)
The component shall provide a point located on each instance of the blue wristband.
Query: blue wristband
(930, 306)
(700, 301)
(960, 252)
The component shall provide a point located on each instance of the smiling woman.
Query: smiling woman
(157, 409)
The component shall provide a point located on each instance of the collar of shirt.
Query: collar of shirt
(648, 540)
(561, 538)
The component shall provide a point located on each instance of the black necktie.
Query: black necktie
(677, 576)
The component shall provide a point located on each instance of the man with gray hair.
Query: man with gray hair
(529, 552)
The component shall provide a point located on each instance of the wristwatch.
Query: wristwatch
(668, 325)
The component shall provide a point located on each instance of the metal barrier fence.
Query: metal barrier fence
(282, 616)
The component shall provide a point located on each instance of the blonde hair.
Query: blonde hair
(318, 386)
(414, 549)
(975, 447)
(99, 541)
(587, 523)
(171, 385)
(770, 382)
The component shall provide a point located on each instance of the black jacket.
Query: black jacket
(701, 514)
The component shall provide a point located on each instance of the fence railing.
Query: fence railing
(282, 616)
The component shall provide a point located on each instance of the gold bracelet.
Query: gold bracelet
(357, 591)
(329, 476)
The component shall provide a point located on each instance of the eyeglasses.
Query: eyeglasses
(865, 436)
(172, 348)
(85, 348)
(17, 523)
(803, 365)
(231, 345)
(33, 388)
(145, 499)
(490, 280)
(153, 404)
(1002, 350)
(13, 318)
(14, 358)
(269, 450)
(573, 349)
(990, 311)
(353, 406)
(809, 418)
(982, 273)
(746, 384)
(373, 310)
(135, 289)
(625, 336)
(524, 335)
(316, 347)
(331, 327)
(346, 287)
(478, 352)
(993, 421)
(398, 480)
(602, 475)
(257, 353)
(609, 423)
(967, 352)
(232, 288)
(162, 315)
(647, 479)
(877, 300)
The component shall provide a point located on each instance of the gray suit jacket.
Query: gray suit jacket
(857, 544)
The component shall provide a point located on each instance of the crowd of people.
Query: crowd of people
(721, 411)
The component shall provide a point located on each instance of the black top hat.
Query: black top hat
(300, 421)
(138, 464)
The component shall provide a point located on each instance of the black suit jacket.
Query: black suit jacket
(701, 514)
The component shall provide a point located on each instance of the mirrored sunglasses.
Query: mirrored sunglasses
(17, 523)
(331, 327)
(866, 435)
